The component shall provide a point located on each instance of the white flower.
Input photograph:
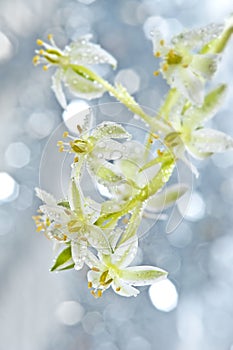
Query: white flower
(190, 134)
(72, 222)
(71, 63)
(113, 270)
(97, 149)
(182, 66)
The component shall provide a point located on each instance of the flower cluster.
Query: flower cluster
(132, 175)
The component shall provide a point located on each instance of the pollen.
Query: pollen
(156, 73)
(45, 68)
(185, 65)
(76, 159)
(162, 42)
(118, 289)
(65, 134)
(35, 59)
(39, 42)
(165, 67)
(40, 228)
(89, 284)
(41, 52)
(158, 54)
(93, 293)
(50, 36)
(61, 149)
(150, 140)
(95, 269)
(59, 143)
(64, 238)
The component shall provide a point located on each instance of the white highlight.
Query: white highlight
(164, 295)
(70, 312)
(77, 113)
(8, 187)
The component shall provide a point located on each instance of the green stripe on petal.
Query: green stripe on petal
(142, 275)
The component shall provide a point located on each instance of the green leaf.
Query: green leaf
(63, 261)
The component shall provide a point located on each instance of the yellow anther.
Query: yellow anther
(65, 134)
(39, 42)
(150, 140)
(41, 52)
(118, 289)
(95, 269)
(185, 65)
(64, 238)
(50, 36)
(159, 152)
(158, 54)
(35, 59)
(47, 222)
(93, 293)
(165, 67)
(99, 293)
(162, 42)
(155, 136)
(61, 149)
(40, 228)
(45, 68)
(156, 73)
(89, 284)
(76, 159)
(60, 143)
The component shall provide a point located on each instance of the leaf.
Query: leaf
(64, 204)
(63, 261)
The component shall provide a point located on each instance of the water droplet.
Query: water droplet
(116, 155)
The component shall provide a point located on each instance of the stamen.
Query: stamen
(40, 228)
(60, 143)
(150, 140)
(64, 237)
(89, 284)
(35, 59)
(99, 293)
(50, 37)
(165, 67)
(93, 293)
(76, 159)
(39, 42)
(157, 54)
(118, 289)
(162, 42)
(65, 134)
(156, 73)
(95, 269)
(155, 136)
(61, 149)
(41, 52)
(103, 277)
(45, 68)
(159, 152)
(185, 65)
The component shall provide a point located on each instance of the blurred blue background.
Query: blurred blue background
(40, 310)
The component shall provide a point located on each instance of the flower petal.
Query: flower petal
(124, 289)
(57, 87)
(92, 261)
(195, 117)
(84, 52)
(209, 140)
(166, 198)
(142, 275)
(97, 239)
(205, 65)
(75, 197)
(125, 253)
(45, 197)
(81, 86)
(79, 251)
(190, 85)
(110, 130)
